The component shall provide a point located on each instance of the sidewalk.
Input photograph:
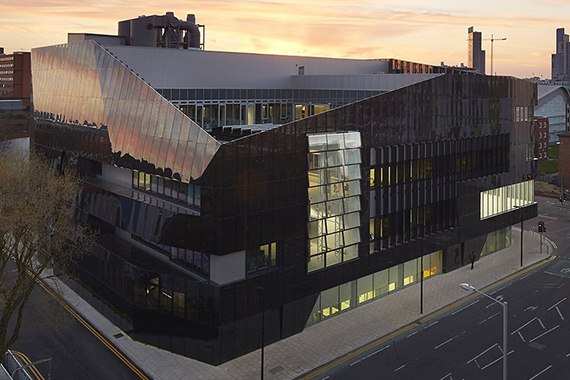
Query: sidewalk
(325, 341)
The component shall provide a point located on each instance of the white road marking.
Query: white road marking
(399, 368)
(446, 376)
(431, 324)
(493, 346)
(496, 360)
(377, 351)
(523, 326)
(412, 334)
(447, 341)
(530, 308)
(544, 333)
(356, 362)
(463, 308)
(486, 319)
(541, 372)
(557, 303)
(557, 309)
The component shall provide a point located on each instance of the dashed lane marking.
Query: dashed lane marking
(336, 362)
(399, 368)
(465, 307)
(444, 343)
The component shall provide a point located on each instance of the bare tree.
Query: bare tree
(9, 129)
(38, 229)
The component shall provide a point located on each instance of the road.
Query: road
(51, 331)
(466, 342)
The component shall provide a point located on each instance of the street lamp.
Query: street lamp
(469, 287)
(261, 291)
(522, 231)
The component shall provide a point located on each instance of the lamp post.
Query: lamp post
(522, 232)
(560, 171)
(469, 287)
(261, 291)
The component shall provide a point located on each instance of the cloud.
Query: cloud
(426, 32)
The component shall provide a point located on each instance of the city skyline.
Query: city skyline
(414, 31)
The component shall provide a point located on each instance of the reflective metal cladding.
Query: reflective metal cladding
(82, 84)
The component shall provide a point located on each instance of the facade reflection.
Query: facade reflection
(325, 210)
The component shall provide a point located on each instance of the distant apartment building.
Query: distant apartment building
(16, 77)
(15, 98)
(560, 60)
(541, 135)
(554, 103)
(476, 57)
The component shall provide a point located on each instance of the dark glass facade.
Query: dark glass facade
(409, 187)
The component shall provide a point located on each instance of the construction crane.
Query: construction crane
(493, 39)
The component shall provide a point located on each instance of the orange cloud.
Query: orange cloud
(365, 29)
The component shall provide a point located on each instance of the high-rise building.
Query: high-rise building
(476, 57)
(210, 223)
(561, 59)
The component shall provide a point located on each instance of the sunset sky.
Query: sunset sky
(422, 31)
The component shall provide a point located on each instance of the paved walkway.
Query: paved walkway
(325, 341)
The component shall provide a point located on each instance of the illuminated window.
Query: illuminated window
(497, 201)
(261, 258)
(334, 176)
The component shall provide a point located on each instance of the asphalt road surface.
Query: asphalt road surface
(51, 331)
(466, 342)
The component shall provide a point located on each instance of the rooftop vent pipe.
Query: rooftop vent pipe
(162, 31)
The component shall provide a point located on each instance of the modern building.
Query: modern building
(561, 59)
(554, 103)
(541, 138)
(15, 77)
(476, 57)
(231, 188)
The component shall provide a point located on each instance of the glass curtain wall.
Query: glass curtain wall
(503, 199)
(365, 289)
(334, 198)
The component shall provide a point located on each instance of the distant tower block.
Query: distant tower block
(561, 60)
(476, 57)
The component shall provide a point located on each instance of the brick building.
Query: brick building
(16, 77)
(541, 131)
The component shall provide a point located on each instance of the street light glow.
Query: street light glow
(467, 286)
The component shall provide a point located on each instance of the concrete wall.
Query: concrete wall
(227, 268)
